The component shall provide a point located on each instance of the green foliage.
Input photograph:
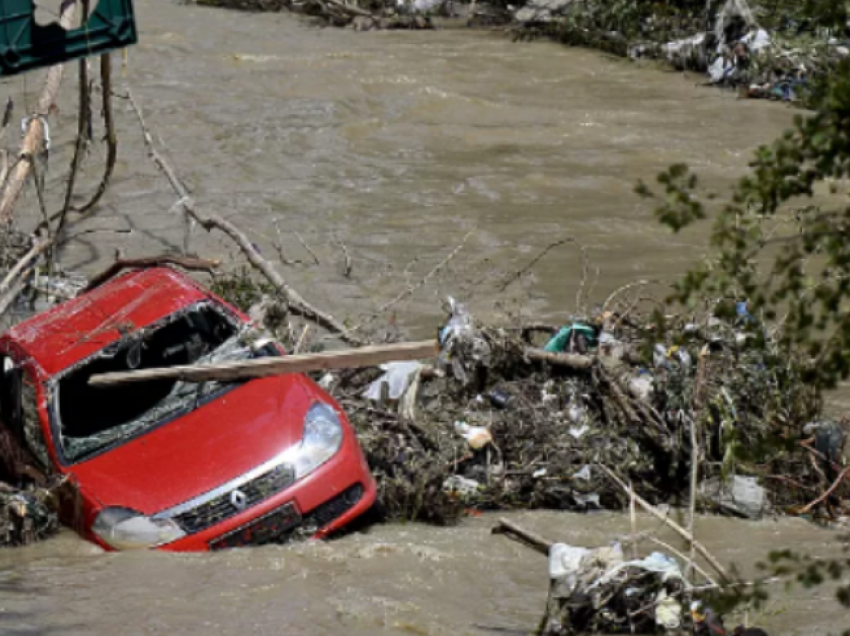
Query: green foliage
(805, 14)
(240, 288)
(793, 568)
(781, 241)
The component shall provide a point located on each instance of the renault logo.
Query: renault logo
(239, 499)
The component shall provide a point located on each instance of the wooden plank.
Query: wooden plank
(264, 367)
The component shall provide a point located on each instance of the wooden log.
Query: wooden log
(34, 138)
(532, 540)
(265, 367)
(570, 360)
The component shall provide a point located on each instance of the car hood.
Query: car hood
(197, 452)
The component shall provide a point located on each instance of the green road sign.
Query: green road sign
(25, 45)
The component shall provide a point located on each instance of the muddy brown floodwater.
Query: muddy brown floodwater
(396, 145)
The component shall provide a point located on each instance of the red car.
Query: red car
(171, 464)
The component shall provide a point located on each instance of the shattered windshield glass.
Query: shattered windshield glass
(90, 419)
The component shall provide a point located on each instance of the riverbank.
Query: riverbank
(763, 49)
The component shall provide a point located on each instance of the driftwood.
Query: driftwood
(712, 561)
(296, 302)
(191, 264)
(34, 137)
(518, 533)
(569, 360)
(265, 367)
(841, 477)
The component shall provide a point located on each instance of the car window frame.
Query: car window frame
(54, 397)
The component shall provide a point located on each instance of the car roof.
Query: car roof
(68, 333)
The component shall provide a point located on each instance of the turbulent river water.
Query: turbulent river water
(396, 146)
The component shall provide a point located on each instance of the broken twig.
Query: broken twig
(35, 128)
(713, 562)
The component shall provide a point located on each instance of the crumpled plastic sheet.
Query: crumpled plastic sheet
(461, 346)
(577, 570)
(397, 375)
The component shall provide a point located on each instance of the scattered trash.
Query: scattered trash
(779, 60)
(466, 488)
(500, 399)
(584, 473)
(577, 338)
(578, 431)
(641, 386)
(598, 591)
(26, 516)
(462, 348)
(326, 381)
(477, 436)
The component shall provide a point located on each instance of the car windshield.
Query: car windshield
(90, 419)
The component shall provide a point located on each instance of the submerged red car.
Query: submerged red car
(170, 464)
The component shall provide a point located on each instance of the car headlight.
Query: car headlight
(321, 441)
(125, 529)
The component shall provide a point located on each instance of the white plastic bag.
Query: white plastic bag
(398, 375)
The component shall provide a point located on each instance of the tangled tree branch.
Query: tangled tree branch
(111, 137)
(296, 302)
(35, 129)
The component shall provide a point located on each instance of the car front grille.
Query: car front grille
(260, 531)
(222, 506)
(332, 509)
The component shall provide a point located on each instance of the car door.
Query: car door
(23, 449)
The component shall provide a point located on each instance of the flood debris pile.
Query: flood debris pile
(363, 15)
(764, 49)
(600, 591)
(526, 417)
(26, 515)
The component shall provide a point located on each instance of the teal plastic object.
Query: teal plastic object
(26, 45)
(559, 341)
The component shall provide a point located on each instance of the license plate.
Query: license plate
(263, 530)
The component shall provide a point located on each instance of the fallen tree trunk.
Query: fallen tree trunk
(265, 367)
(35, 130)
